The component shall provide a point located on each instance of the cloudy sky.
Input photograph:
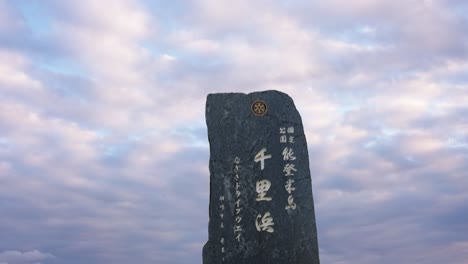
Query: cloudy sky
(103, 143)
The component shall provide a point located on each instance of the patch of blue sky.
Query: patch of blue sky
(344, 109)
(400, 74)
(101, 133)
(152, 48)
(195, 135)
(5, 143)
(198, 62)
(461, 10)
(386, 135)
(285, 3)
(389, 132)
(35, 15)
(436, 107)
(166, 12)
(364, 36)
(136, 137)
(457, 142)
(187, 57)
(458, 78)
(349, 101)
(63, 66)
(115, 150)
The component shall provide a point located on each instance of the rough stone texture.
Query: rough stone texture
(236, 206)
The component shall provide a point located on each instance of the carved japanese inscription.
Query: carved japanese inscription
(261, 204)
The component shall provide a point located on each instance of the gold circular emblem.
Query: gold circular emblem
(259, 108)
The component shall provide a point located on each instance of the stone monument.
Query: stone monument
(261, 205)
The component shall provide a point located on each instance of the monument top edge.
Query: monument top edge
(248, 94)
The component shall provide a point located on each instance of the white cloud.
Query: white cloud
(26, 257)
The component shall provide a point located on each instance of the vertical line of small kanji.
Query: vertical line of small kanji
(287, 137)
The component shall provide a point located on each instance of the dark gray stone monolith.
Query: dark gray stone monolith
(261, 205)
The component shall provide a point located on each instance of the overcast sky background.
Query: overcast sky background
(103, 144)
